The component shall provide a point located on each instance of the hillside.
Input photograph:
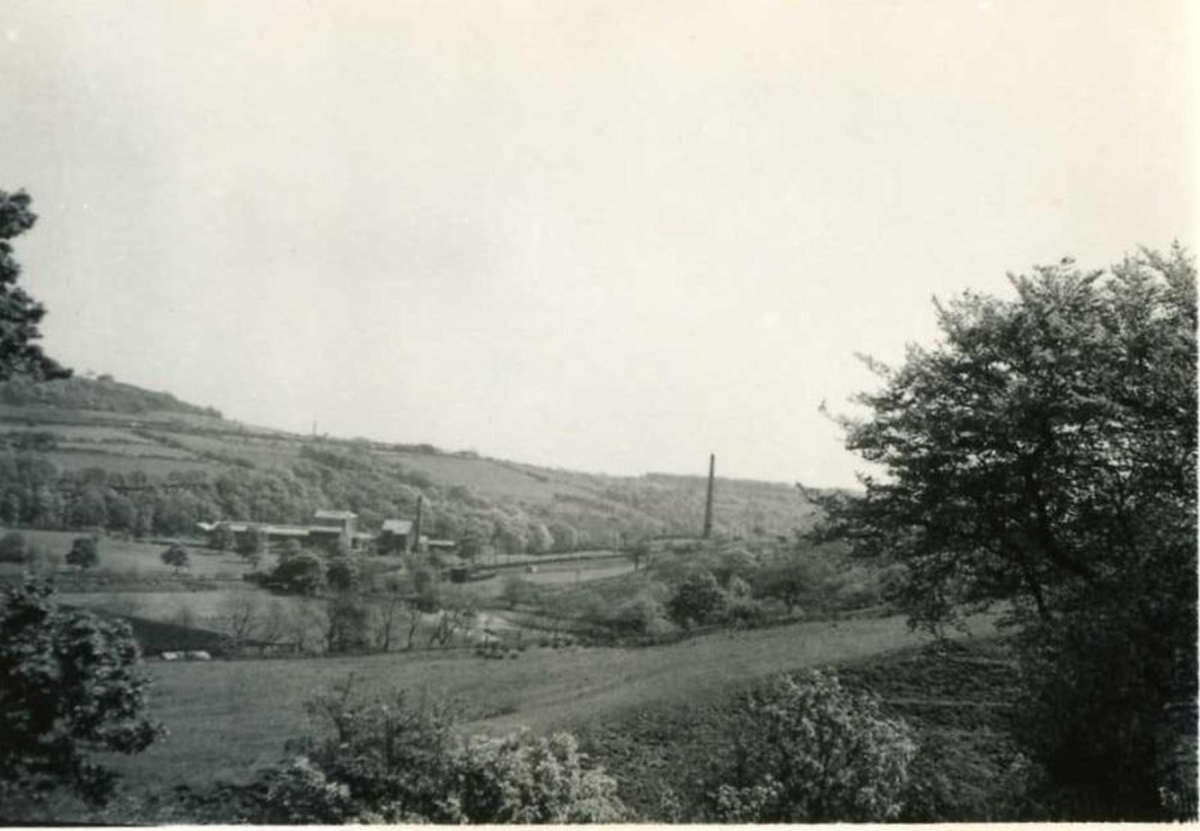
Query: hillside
(86, 453)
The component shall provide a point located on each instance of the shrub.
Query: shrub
(810, 751)
(397, 761)
(639, 613)
(698, 599)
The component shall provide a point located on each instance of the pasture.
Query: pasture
(132, 557)
(225, 718)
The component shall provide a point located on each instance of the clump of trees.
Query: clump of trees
(1043, 455)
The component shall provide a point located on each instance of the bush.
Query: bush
(84, 553)
(397, 761)
(808, 750)
(698, 599)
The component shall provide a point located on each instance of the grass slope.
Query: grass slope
(226, 718)
(957, 696)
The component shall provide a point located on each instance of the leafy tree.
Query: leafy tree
(291, 548)
(302, 574)
(698, 599)
(14, 548)
(425, 585)
(566, 538)
(540, 539)
(516, 591)
(70, 684)
(348, 625)
(20, 314)
(1044, 454)
(808, 750)
(797, 578)
(640, 553)
(177, 557)
(84, 553)
(342, 573)
(251, 542)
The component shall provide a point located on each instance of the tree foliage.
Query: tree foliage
(20, 314)
(302, 573)
(699, 599)
(84, 553)
(402, 761)
(808, 750)
(1044, 454)
(177, 557)
(70, 684)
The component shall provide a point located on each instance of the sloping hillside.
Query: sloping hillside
(85, 453)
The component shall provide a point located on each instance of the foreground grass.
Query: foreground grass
(227, 718)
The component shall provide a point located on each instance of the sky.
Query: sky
(609, 236)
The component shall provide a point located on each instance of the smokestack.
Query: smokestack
(416, 529)
(708, 502)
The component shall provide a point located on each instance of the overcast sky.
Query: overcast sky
(612, 236)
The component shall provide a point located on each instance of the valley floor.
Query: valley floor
(226, 718)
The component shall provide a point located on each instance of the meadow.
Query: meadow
(225, 718)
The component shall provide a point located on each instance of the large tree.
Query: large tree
(1043, 454)
(70, 683)
(20, 314)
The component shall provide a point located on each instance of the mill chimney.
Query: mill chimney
(708, 502)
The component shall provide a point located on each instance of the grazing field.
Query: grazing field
(124, 556)
(225, 718)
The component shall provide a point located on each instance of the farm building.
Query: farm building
(326, 529)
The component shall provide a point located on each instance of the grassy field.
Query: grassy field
(123, 556)
(200, 607)
(226, 718)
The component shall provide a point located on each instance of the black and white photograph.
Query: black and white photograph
(598, 411)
